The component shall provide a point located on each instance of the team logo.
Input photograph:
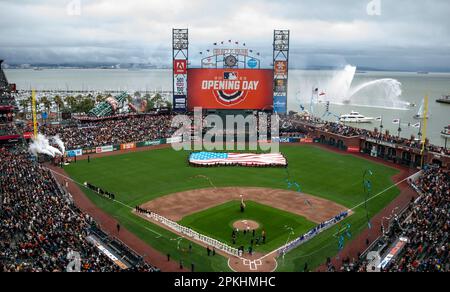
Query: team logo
(232, 89)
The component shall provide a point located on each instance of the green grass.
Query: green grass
(218, 222)
(139, 177)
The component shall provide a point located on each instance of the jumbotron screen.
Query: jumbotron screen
(238, 89)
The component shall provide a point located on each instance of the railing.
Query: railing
(194, 235)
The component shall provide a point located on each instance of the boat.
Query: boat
(446, 132)
(444, 99)
(421, 113)
(355, 117)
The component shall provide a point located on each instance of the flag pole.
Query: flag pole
(424, 136)
(33, 105)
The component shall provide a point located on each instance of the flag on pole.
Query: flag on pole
(396, 121)
(417, 126)
(379, 119)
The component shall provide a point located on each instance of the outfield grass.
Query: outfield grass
(139, 177)
(218, 222)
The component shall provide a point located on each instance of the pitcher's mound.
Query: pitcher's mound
(246, 225)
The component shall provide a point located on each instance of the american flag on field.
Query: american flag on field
(243, 159)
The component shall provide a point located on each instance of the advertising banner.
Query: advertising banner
(354, 149)
(28, 135)
(280, 104)
(174, 140)
(74, 153)
(280, 68)
(104, 149)
(127, 146)
(180, 67)
(239, 89)
(281, 85)
(152, 143)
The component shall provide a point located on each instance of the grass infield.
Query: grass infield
(218, 222)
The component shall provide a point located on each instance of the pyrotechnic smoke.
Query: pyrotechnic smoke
(41, 145)
(60, 143)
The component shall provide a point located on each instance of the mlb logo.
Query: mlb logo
(230, 75)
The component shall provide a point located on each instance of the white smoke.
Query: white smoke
(41, 145)
(60, 143)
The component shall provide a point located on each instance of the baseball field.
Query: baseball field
(207, 200)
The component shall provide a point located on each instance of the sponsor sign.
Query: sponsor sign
(306, 140)
(353, 149)
(174, 140)
(127, 146)
(280, 104)
(152, 143)
(179, 67)
(250, 89)
(180, 84)
(74, 153)
(281, 85)
(104, 149)
(179, 102)
(252, 63)
(28, 135)
(280, 68)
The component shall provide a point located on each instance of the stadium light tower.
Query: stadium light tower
(180, 53)
(280, 70)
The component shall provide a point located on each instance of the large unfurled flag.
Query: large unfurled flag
(243, 159)
(396, 121)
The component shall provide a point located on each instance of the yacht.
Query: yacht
(355, 117)
(446, 132)
(445, 99)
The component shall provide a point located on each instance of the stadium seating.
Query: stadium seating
(40, 225)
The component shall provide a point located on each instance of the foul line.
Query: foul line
(381, 193)
(113, 200)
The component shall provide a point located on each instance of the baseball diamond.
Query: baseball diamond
(147, 180)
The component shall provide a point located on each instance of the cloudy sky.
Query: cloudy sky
(407, 35)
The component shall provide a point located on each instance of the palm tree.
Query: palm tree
(59, 103)
(24, 104)
(100, 98)
(71, 102)
(47, 103)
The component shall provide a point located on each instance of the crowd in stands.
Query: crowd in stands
(112, 132)
(39, 225)
(7, 129)
(348, 131)
(425, 224)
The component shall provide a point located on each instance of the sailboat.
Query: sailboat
(421, 113)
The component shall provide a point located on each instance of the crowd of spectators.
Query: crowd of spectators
(7, 129)
(348, 131)
(132, 129)
(425, 223)
(39, 225)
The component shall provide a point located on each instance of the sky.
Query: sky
(382, 34)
